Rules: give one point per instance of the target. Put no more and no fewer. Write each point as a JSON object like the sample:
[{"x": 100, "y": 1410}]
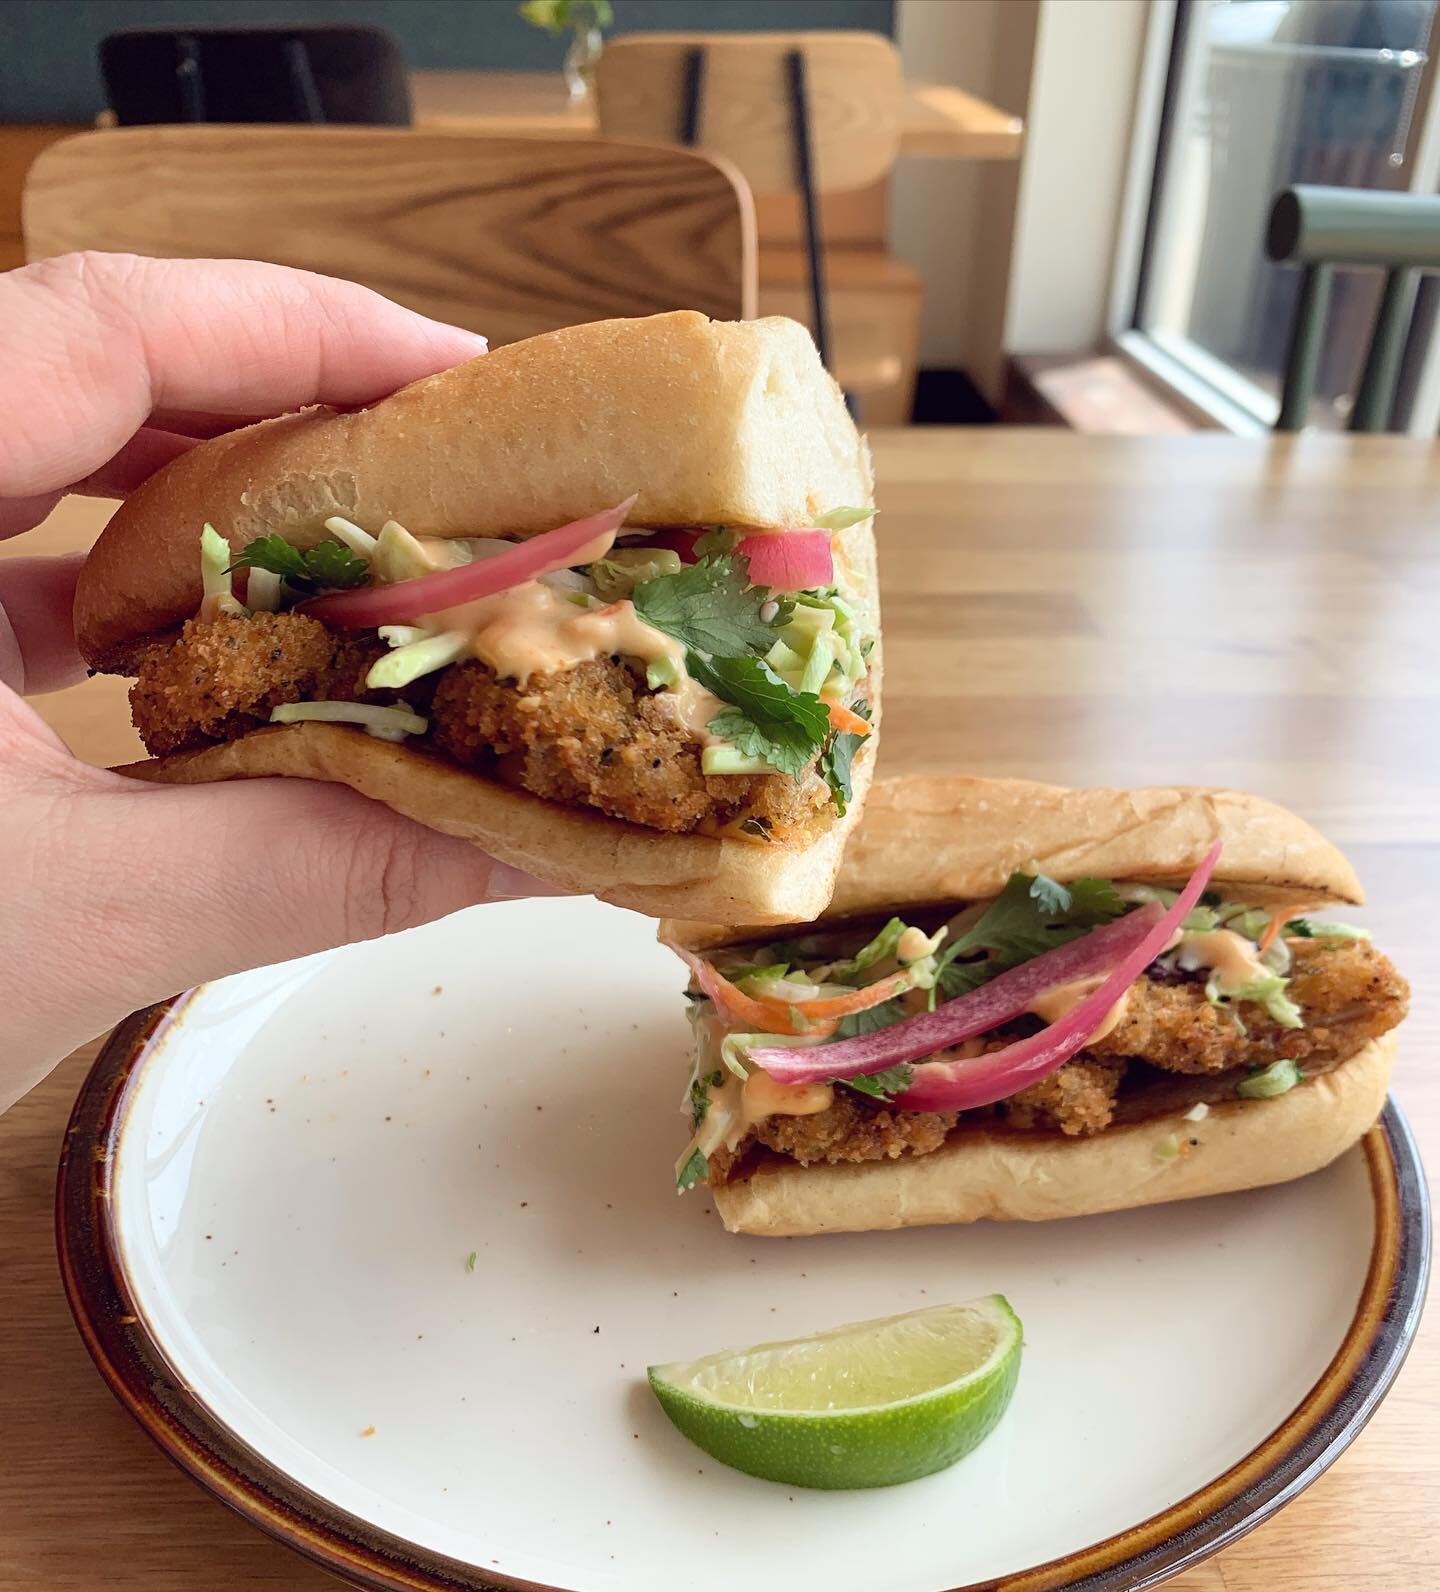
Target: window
[{"x": 1259, "y": 94}]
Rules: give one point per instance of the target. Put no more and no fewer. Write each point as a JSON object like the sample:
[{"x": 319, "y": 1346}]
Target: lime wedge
[{"x": 867, "y": 1405}]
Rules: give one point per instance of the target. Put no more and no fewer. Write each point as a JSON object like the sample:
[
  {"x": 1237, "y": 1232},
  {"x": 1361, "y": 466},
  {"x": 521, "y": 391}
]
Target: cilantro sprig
[
  {"x": 695, "y": 1169},
  {"x": 709, "y": 607},
  {"x": 727, "y": 626},
  {"x": 870, "y": 1021},
  {"x": 884, "y": 1085},
  {"x": 837, "y": 761},
  {"x": 1031, "y": 915},
  {"x": 768, "y": 718},
  {"x": 328, "y": 565}
]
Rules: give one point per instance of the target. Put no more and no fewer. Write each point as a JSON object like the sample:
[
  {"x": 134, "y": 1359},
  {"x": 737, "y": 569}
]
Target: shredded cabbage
[
  {"x": 625, "y": 568},
  {"x": 385, "y": 723},
  {"x": 1267, "y": 990},
  {"x": 361, "y": 543},
  {"x": 1280, "y": 1077},
  {"x": 262, "y": 590},
  {"x": 219, "y": 598},
  {"x": 409, "y": 662}
]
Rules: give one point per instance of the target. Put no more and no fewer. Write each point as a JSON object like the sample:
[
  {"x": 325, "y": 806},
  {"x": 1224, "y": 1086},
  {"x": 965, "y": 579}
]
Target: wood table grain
[{"x": 1084, "y": 609}]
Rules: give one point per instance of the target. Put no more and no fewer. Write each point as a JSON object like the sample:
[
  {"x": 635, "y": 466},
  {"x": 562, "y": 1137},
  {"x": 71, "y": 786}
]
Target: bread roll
[
  {"x": 1035, "y": 1177},
  {"x": 948, "y": 839},
  {"x": 711, "y": 422},
  {"x": 945, "y": 840}
]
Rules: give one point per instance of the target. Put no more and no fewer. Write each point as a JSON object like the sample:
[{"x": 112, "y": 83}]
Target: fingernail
[{"x": 510, "y": 884}]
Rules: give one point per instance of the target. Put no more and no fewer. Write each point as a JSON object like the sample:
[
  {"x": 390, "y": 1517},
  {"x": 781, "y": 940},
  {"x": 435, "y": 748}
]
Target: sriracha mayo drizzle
[
  {"x": 1230, "y": 956},
  {"x": 1056, "y": 1003},
  {"x": 534, "y": 629}
]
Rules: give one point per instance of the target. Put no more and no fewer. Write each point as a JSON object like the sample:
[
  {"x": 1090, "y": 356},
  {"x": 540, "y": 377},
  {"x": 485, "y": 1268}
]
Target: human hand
[{"x": 115, "y": 893}]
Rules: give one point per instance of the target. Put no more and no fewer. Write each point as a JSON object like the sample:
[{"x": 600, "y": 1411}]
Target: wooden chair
[
  {"x": 505, "y": 236},
  {"x": 733, "y": 95},
  {"x": 1321, "y": 228},
  {"x": 335, "y": 75}
]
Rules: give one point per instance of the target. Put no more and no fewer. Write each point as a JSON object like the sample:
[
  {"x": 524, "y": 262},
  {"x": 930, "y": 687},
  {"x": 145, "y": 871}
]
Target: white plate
[{"x": 301, "y": 1160}]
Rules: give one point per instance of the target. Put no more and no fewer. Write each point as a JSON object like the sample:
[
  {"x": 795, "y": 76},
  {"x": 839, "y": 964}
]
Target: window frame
[{"x": 1203, "y": 385}]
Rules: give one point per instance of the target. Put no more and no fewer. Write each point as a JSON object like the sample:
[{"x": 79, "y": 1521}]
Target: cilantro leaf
[
  {"x": 694, "y": 1170},
  {"x": 1052, "y": 897},
  {"x": 1030, "y": 916},
  {"x": 1094, "y": 901},
  {"x": 784, "y": 726},
  {"x": 959, "y": 978},
  {"x": 882, "y": 1085},
  {"x": 709, "y": 607},
  {"x": 886, "y": 1014},
  {"x": 716, "y": 540},
  {"x": 700, "y": 1088},
  {"x": 327, "y": 564},
  {"x": 838, "y": 759}
]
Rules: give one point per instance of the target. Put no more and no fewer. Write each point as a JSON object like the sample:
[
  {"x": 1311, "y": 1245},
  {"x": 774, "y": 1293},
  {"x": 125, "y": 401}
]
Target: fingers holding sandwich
[
  {"x": 138, "y": 891},
  {"x": 103, "y": 341}
]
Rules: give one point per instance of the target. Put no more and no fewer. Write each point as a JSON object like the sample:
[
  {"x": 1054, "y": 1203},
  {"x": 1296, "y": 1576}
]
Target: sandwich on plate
[
  {"x": 1026, "y": 1002},
  {"x": 602, "y": 602}
]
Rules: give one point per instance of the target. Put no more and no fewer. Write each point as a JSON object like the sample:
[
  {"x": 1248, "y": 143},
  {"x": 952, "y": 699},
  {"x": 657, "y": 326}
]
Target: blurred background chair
[
  {"x": 505, "y": 236},
  {"x": 733, "y": 95},
  {"x": 345, "y": 75},
  {"x": 1321, "y": 228}
]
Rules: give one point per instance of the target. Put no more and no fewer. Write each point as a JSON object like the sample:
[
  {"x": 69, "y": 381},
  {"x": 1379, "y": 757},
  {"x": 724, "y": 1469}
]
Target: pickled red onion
[
  {"x": 1127, "y": 946},
  {"x": 789, "y": 560},
  {"x": 404, "y": 600}
]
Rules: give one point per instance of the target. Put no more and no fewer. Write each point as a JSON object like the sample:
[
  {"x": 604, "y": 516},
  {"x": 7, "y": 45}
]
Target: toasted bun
[
  {"x": 711, "y": 422},
  {"x": 1033, "y": 1177},
  {"x": 949, "y": 839}
]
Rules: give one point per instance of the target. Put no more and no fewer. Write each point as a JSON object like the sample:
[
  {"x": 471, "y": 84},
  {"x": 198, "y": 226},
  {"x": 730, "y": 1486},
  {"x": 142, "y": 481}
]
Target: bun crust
[
  {"x": 954, "y": 838},
  {"x": 711, "y": 422},
  {"x": 1032, "y": 1177}
]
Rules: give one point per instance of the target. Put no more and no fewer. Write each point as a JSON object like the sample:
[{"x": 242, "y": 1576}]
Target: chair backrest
[
  {"x": 853, "y": 85},
  {"x": 1321, "y": 228},
  {"x": 339, "y": 75},
  {"x": 505, "y": 236}
]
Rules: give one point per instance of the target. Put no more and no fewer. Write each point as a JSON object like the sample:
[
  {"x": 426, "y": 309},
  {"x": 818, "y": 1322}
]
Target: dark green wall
[{"x": 48, "y": 70}]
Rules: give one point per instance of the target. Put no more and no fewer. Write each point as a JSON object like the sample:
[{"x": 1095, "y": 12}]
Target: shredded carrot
[
  {"x": 844, "y": 720},
  {"x": 769, "y": 1016},
  {"x": 1272, "y": 928},
  {"x": 859, "y": 1000}
]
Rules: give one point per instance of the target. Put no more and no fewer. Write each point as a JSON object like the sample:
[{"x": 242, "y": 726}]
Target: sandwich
[
  {"x": 1028, "y": 1002},
  {"x": 602, "y": 602}
]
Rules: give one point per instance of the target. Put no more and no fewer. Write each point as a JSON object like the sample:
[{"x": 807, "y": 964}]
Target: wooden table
[
  {"x": 1086, "y": 609},
  {"x": 936, "y": 119}
]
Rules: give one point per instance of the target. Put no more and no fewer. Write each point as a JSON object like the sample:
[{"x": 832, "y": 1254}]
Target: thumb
[{"x": 143, "y": 890}]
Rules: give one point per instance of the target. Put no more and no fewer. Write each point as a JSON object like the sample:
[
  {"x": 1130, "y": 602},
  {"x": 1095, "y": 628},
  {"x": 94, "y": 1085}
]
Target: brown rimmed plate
[{"x": 377, "y": 1245}]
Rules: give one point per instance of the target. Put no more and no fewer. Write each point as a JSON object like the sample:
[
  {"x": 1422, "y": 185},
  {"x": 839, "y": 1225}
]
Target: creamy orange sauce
[
  {"x": 761, "y": 1097},
  {"x": 1233, "y": 959},
  {"x": 693, "y": 707},
  {"x": 912, "y": 945},
  {"x": 1059, "y": 1002},
  {"x": 534, "y": 629}
]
